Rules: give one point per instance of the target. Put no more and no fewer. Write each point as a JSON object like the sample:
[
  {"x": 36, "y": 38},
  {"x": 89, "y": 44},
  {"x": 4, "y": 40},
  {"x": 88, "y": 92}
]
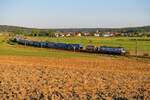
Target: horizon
[
  {"x": 56, "y": 14},
  {"x": 77, "y": 28}
]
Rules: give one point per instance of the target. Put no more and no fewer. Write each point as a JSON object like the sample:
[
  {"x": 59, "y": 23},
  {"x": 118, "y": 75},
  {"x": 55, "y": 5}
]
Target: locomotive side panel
[{"x": 112, "y": 50}]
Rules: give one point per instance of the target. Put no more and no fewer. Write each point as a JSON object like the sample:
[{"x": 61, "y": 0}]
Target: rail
[{"x": 95, "y": 52}]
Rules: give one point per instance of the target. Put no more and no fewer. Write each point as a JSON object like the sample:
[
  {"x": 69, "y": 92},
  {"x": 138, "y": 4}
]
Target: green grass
[
  {"x": 21, "y": 50},
  {"x": 125, "y": 42}
]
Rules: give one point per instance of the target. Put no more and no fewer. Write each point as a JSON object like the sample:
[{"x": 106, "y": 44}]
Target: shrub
[
  {"x": 127, "y": 53},
  {"x": 10, "y": 42},
  {"x": 145, "y": 54}
]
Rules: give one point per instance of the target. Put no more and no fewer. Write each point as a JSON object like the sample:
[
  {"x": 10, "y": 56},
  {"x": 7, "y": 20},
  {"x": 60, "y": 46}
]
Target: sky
[{"x": 75, "y": 13}]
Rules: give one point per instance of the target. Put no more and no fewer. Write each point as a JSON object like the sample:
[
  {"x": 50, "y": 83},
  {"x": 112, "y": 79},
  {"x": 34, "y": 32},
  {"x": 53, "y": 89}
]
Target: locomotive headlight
[{"x": 123, "y": 50}]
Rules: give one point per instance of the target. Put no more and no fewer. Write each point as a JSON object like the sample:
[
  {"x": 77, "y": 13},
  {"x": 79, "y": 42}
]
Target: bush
[
  {"x": 145, "y": 54},
  {"x": 127, "y": 53},
  {"x": 10, "y": 42}
]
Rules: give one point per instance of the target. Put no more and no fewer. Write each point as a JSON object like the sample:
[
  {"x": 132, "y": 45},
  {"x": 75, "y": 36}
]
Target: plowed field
[{"x": 41, "y": 78}]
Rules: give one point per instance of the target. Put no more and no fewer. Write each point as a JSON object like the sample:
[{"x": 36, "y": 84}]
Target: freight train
[{"x": 74, "y": 47}]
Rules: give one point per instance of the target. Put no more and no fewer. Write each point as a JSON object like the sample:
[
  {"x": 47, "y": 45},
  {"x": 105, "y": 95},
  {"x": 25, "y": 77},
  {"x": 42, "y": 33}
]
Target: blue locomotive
[{"x": 112, "y": 50}]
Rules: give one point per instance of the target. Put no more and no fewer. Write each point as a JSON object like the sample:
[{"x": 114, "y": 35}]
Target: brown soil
[
  {"x": 140, "y": 53},
  {"x": 32, "y": 78}
]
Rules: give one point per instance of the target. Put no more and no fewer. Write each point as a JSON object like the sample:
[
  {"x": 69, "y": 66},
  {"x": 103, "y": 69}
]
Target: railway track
[
  {"x": 138, "y": 56},
  {"x": 129, "y": 56},
  {"x": 94, "y": 52}
]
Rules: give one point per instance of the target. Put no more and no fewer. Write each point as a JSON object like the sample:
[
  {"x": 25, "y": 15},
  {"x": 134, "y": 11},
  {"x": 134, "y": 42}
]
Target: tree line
[
  {"x": 13, "y": 30},
  {"x": 33, "y": 32}
]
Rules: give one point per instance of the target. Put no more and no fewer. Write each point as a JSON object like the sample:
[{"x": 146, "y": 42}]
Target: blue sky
[{"x": 75, "y": 13}]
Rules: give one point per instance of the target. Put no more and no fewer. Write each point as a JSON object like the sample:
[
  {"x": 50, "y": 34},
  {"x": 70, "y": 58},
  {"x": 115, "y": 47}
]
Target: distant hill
[
  {"x": 122, "y": 30},
  {"x": 6, "y": 28}
]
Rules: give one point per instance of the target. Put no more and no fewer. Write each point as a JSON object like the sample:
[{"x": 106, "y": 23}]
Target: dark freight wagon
[{"x": 91, "y": 48}]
